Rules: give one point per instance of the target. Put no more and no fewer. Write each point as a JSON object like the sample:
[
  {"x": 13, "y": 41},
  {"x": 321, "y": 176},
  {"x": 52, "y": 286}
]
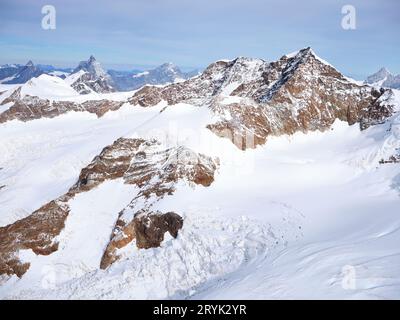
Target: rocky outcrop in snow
[
  {"x": 35, "y": 232},
  {"x": 27, "y": 107},
  {"x": 146, "y": 164},
  {"x": 89, "y": 76},
  {"x": 156, "y": 173}
]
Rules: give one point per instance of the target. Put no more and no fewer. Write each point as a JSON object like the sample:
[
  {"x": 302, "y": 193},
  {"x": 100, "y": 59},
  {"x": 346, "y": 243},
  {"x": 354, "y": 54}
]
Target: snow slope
[
  {"x": 48, "y": 87},
  {"x": 304, "y": 216}
]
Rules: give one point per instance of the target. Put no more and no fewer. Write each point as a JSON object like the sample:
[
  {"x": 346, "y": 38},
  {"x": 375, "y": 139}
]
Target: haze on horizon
[{"x": 192, "y": 34}]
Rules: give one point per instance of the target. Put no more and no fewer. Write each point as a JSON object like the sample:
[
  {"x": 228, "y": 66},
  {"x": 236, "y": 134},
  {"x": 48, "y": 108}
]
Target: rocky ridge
[
  {"x": 27, "y": 107},
  {"x": 255, "y": 99}
]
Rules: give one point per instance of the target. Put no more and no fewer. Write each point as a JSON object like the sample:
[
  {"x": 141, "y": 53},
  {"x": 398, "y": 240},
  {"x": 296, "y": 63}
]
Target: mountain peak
[
  {"x": 381, "y": 75},
  {"x": 168, "y": 66},
  {"x": 95, "y": 78},
  {"x": 92, "y": 66},
  {"x": 306, "y": 50},
  {"x": 29, "y": 64},
  {"x": 168, "y": 69},
  {"x": 384, "y": 71},
  {"x": 301, "y": 54}
]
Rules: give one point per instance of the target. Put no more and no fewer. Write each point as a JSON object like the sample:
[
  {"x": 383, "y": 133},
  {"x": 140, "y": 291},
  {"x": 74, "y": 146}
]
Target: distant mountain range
[
  {"x": 384, "y": 78},
  {"x": 166, "y": 73},
  {"x": 90, "y": 76}
]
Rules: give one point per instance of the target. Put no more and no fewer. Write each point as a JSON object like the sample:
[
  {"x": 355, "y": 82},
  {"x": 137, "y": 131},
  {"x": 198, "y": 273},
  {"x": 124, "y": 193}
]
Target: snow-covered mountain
[
  {"x": 384, "y": 78},
  {"x": 18, "y": 74},
  {"x": 164, "y": 74},
  {"x": 7, "y": 71},
  {"x": 254, "y": 179},
  {"x": 89, "y": 76},
  {"x": 22, "y": 73}
]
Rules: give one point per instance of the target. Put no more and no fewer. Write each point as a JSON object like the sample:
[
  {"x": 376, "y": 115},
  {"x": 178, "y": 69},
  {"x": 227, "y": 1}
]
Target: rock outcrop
[
  {"x": 89, "y": 76},
  {"x": 146, "y": 164},
  {"x": 26, "y": 108},
  {"x": 156, "y": 173},
  {"x": 35, "y": 232}
]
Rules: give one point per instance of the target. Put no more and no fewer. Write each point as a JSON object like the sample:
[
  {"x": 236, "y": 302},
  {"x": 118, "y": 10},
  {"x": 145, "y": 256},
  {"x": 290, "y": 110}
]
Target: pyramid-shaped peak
[
  {"x": 380, "y": 75},
  {"x": 304, "y": 55},
  {"x": 307, "y": 51},
  {"x": 384, "y": 71},
  {"x": 92, "y": 66},
  {"x": 29, "y": 64}
]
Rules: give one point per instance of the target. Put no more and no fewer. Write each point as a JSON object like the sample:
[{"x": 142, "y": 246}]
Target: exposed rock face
[
  {"x": 35, "y": 232},
  {"x": 296, "y": 93},
  {"x": 392, "y": 159},
  {"x": 147, "y": 228},
  {"x": 200, "y": 90},
  {"x": 88, "y": 83},
  {"x": 91, "y": 78},
  {"x": 148, "y": 165},
  {"x": 150, "y": 228},
  {"x": 29, "y": 107},
  {"x": 156, "y": 173}
]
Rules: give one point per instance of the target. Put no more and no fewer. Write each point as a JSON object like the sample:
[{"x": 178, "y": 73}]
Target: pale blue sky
[{"x": 191, "y": 33}]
